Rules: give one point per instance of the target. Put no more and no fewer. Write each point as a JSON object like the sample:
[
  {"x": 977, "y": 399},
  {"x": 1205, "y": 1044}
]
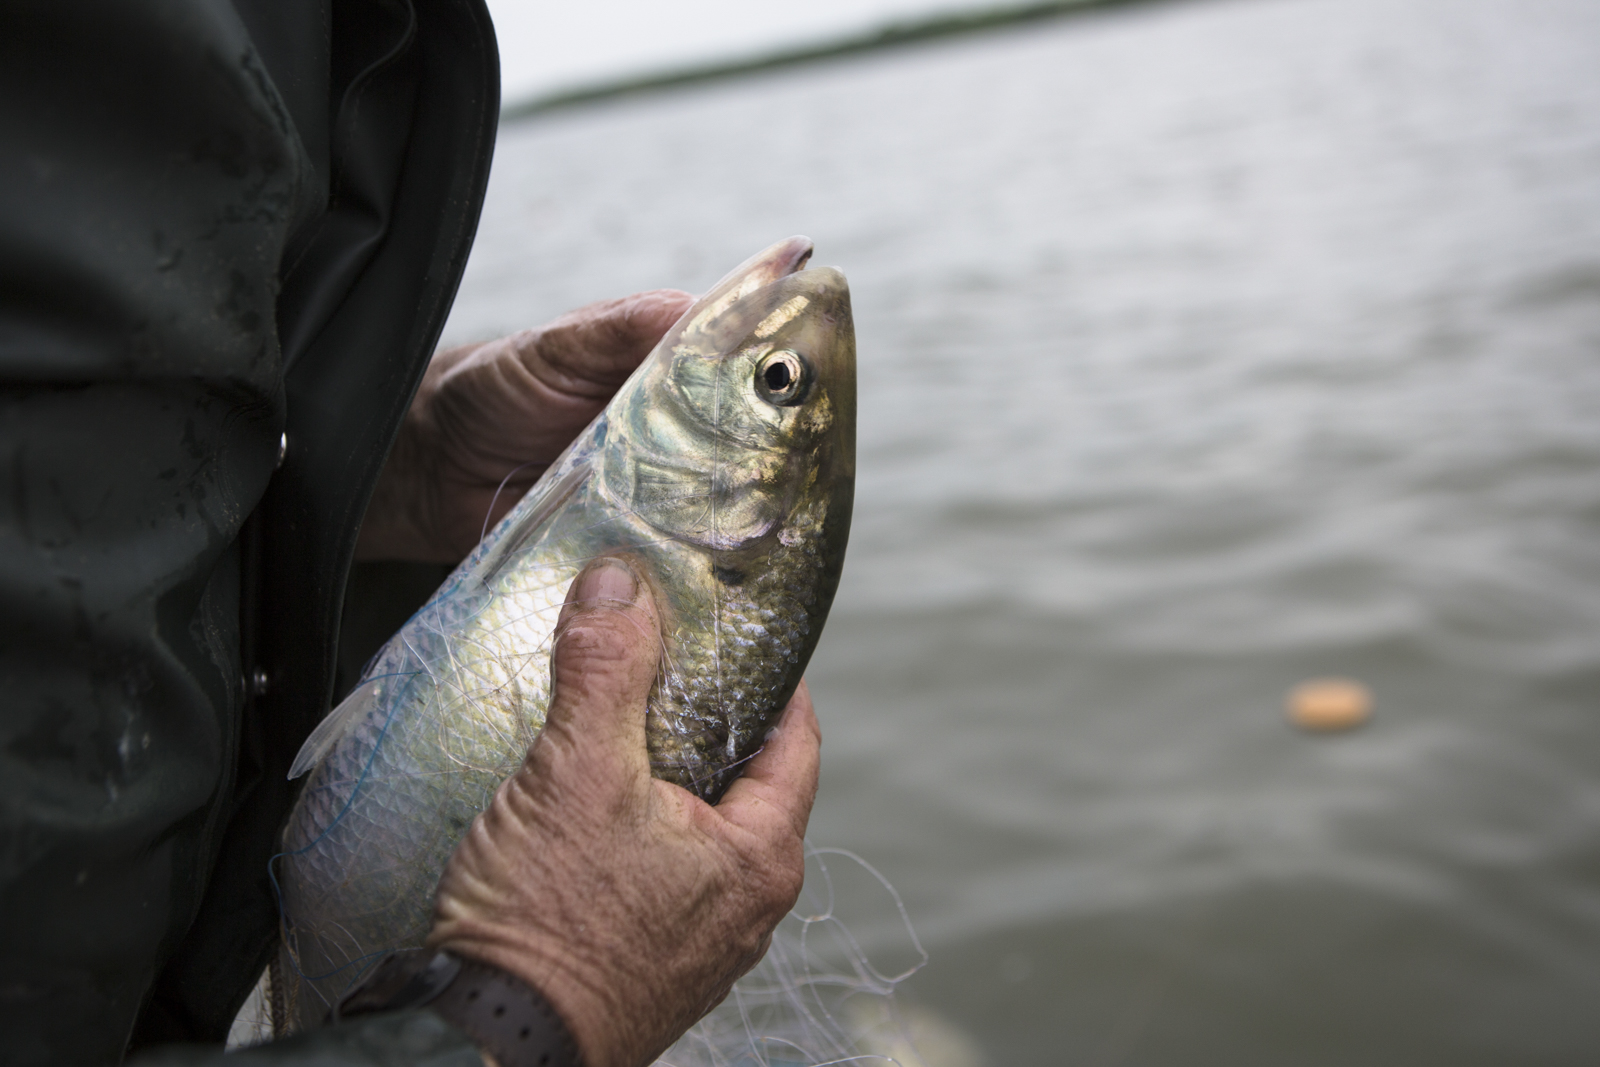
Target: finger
[
  {"x": 592, "y": 350},
  {"x": 606, "y": 651},
  {"x": 517, "y": 402},
  {"x": 507, "y": 408},
  {"x": 778, "y": 787}
]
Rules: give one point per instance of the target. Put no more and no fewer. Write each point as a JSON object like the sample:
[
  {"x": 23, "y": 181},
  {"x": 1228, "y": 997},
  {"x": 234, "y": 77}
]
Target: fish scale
[{"x": 726, "y": 483}]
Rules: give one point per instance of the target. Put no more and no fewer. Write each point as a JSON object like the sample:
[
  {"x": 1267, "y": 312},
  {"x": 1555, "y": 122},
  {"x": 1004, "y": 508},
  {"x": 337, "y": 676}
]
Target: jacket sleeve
[
  {"x": 403, "y": 1039},
  {"x": 149, "y": 179}
]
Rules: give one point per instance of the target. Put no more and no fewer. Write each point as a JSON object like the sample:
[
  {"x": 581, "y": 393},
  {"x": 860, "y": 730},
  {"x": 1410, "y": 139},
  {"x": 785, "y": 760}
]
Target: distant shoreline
[{"x": 893, "y": 35}]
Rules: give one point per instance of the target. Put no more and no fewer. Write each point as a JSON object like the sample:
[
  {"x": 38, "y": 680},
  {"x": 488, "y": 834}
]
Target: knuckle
[
  {"x": 594, "y": 631},
  {"x": 599, "y": 643},
  {"x": 790, "y": 883},
  {"x": 780, "y": 880}
]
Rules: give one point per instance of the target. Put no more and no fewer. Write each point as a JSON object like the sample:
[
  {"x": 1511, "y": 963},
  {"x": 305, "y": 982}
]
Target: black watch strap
[{"x": 503, "y": 1015}]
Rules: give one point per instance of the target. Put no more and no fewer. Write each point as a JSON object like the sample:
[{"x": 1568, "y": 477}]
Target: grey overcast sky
[{"x": 546, "y": 45}]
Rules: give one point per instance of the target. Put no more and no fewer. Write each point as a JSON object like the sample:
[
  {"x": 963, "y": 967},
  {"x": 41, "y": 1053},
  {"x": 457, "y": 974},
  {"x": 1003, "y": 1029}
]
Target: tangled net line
[{"x": 815, "y": 999}]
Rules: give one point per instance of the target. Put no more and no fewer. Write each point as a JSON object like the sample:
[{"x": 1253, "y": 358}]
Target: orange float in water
[{"x": 1327, "y": 705}]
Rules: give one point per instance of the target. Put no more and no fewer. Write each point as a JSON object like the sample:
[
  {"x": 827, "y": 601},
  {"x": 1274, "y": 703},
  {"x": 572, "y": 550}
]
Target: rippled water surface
[{"x": 1205, "y": 347}]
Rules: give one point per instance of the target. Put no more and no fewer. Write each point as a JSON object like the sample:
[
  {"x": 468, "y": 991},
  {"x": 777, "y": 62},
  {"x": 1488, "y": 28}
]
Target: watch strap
[{"x": 503, "y": 1015}]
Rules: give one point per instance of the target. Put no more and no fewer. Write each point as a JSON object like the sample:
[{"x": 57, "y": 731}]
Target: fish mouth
[
  {"x": 759, "y": 271},
  {"x": 765, "y": 267}
]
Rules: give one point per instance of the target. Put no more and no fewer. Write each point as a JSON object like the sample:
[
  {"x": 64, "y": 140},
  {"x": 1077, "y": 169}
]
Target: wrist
[
  {"x": 510, "y": 1021},
  {"x": 566, "y": 982}
]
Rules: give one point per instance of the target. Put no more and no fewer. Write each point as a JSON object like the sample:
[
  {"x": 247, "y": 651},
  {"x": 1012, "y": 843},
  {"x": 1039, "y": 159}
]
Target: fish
[{"x": 723, "y": 470}]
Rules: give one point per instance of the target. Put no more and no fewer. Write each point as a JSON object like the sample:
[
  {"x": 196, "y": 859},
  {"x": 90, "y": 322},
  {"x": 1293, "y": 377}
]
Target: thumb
[{"x": 603, "y": 661}]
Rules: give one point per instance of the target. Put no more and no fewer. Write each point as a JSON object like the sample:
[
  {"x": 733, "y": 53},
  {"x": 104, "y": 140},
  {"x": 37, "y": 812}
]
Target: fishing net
[
  {"x": 824, "y": 993},
  {"x": 818, "y": 997}
]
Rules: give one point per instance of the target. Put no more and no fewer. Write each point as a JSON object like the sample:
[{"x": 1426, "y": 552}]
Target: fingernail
[{"x": 606, "y": 579}]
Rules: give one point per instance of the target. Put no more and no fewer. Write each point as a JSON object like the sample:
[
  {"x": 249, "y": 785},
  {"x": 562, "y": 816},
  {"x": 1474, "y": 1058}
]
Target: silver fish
[{"x": 724, "y": 470}]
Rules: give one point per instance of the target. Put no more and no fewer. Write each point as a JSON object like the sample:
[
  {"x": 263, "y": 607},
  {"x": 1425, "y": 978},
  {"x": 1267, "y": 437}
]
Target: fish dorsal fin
[{"x": 335, "y": 725}]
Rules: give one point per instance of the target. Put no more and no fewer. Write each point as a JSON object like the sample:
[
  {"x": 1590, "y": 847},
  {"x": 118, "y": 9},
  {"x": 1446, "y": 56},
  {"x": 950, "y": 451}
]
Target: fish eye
[{"x": 782, "y": 377}]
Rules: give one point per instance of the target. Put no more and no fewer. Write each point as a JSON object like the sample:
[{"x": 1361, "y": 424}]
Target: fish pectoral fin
[
  {"x": 550, "y": 500},
  {"x": 334, "y": 726}
]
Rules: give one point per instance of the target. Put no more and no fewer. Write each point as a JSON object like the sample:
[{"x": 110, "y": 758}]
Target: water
[{"x": 1205, "y": 347}]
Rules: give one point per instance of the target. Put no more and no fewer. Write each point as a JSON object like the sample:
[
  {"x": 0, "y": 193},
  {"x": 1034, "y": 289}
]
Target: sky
[{"x": 549, "y": 45}]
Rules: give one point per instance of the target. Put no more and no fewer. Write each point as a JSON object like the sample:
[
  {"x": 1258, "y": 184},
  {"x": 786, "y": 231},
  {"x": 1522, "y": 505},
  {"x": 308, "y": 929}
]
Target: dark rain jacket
[{"x": 220, "y": 222}]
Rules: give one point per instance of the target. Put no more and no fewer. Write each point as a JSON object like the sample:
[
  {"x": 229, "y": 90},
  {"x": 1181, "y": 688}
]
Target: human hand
[
  {"x": 488, "y": 419},
  {"x": 630, "y": 903}
]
